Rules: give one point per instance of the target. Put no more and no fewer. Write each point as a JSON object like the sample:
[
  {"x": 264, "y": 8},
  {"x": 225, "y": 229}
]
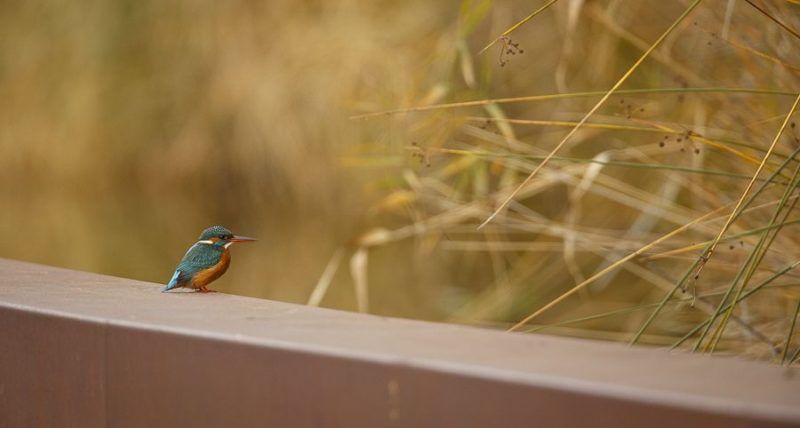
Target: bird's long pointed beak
[{"x": 242, "y": 239}]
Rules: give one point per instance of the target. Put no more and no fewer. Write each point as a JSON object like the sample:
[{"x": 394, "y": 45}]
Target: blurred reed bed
[
  {"x": 633, "y": 166},
  {"x": 127, "y": 127}
]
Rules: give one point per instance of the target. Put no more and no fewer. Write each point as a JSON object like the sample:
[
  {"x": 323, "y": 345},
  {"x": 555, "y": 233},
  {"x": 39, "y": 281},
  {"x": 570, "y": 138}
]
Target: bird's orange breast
[{"x": 205, "y": 277}]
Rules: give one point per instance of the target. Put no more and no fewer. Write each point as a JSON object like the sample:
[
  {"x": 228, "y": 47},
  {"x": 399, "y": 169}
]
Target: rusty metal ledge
[{"x": 81, "y": 349}]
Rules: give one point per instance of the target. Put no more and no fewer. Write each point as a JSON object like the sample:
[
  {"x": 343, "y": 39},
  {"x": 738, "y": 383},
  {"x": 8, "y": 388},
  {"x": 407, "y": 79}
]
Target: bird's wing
[{"x": 198, "y": 258}]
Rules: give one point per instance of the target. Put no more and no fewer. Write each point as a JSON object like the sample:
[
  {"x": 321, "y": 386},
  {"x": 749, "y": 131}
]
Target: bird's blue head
[{"x": 218, "y": 235}]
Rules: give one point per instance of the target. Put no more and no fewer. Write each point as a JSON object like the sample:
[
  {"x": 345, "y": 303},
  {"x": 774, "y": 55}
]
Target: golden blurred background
[{"x": 128, "y": 127}]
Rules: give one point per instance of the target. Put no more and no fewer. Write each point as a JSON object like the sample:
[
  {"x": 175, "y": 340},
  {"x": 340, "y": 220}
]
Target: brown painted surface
[
  {"x": 52, "y": 371},
  {"x": 79, "y": 349}
]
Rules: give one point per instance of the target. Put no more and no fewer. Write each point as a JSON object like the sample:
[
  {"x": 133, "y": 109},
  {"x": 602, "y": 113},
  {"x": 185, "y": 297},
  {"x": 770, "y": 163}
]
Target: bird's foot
[{"x": 205, "y": 290}]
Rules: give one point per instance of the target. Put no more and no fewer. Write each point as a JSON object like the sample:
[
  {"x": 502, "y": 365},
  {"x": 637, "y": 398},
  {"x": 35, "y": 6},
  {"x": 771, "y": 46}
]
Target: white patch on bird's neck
[
  {"x": 205, "y": 241},
  {"x": 228, "y": 244}
]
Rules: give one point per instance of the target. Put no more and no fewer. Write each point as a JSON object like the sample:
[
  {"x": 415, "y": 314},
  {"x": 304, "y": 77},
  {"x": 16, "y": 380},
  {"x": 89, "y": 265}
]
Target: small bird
[{"x": 206, "y": 260}]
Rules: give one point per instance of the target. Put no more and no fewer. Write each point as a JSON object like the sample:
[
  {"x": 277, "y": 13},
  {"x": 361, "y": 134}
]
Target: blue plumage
[
  {"x": 206, "y": 260},
  {"x": 173, "y": 282},
  {"x": 201, "y": 256}
]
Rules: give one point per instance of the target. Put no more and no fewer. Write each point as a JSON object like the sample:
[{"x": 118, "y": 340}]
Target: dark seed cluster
[
  {"x": 508, "y": 47},
  {"x": 421, "y": 154},
  {"x": 684, "y": 139}
]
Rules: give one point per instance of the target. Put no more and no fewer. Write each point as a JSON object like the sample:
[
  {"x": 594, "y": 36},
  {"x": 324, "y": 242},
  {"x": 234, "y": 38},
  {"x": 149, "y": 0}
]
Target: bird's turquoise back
[{"x": 200, "y": 256}]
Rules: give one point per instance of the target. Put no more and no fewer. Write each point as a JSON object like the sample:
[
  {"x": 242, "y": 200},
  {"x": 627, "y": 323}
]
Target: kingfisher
[{"x": 206, "y": 260}]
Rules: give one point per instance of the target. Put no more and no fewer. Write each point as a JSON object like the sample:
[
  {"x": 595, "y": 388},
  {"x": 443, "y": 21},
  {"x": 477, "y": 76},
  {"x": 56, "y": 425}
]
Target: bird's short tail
[{"x": 173, "y": 282}]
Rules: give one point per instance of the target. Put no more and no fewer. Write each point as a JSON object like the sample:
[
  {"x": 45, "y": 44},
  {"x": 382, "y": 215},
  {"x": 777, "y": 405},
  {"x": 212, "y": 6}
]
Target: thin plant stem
[
  {"x": 791, "y": 332},
  {"x": 586, "y": 117},
  {"x": 612, "y": 267},
  {"x": 549, "y": 97},
  {"x": 795, "y": 356},
  {"x": 776, "y": 20},
  {"x": 747, "y": 294},
  {"x": 687, "y": 274},
  {"x": 518, "y": 24},
  {"x": 708, "y": 253},
  {"x": 760, "y": 250}
]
